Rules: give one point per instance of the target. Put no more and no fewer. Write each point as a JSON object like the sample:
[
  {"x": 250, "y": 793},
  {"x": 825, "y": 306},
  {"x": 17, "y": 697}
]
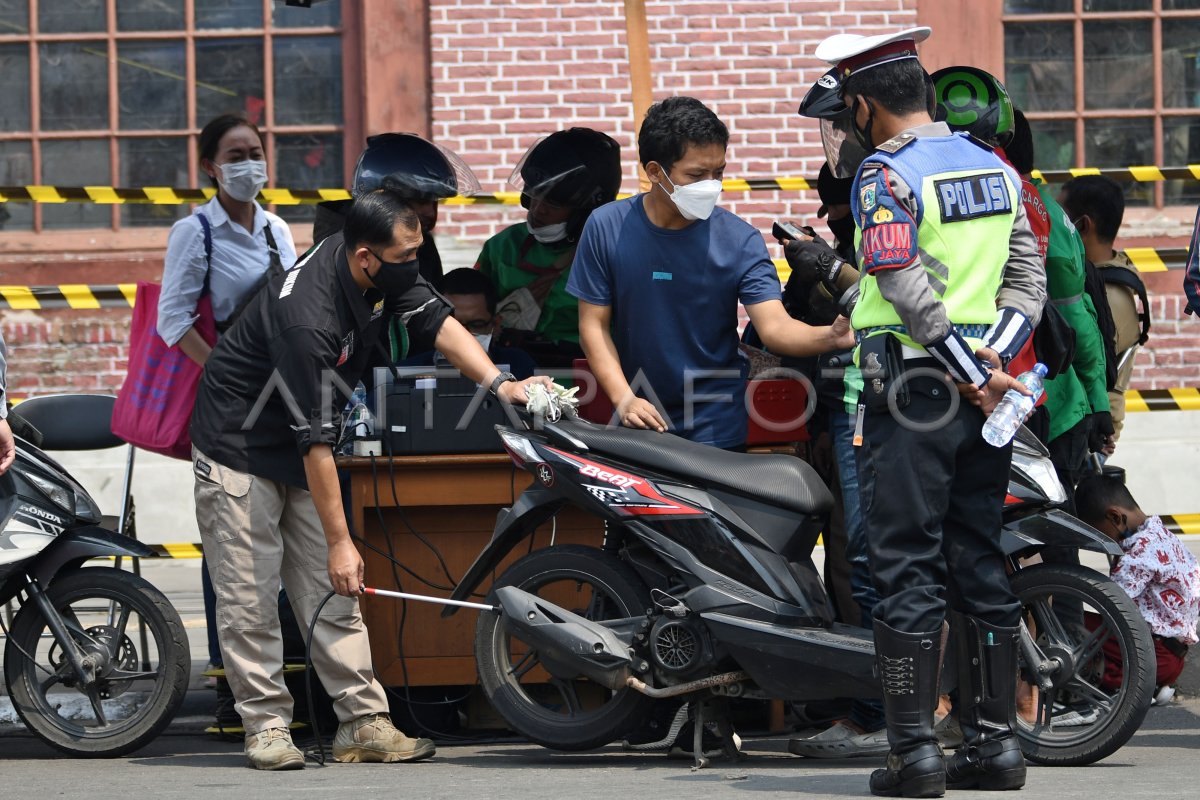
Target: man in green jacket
[{"x": 1077, "y": 400}]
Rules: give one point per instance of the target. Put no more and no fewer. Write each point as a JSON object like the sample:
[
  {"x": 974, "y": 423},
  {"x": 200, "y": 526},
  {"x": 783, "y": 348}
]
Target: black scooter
[
  {"x": 704, "y": 589},
  {"x": 96, "y": 660}
]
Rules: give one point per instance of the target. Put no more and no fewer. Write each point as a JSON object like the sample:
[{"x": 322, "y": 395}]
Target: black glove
[
  {"x": 813, "y": 261},
  {"x": 1100, "y": 431}
]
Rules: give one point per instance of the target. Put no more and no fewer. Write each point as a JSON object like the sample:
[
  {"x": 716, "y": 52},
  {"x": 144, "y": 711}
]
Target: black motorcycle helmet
[
  {"x": 824, "y": 102},
  {"x": 972, "y": 100},
  {"x": 413, "y": 167},
  {"x": 579, "y": 168}
]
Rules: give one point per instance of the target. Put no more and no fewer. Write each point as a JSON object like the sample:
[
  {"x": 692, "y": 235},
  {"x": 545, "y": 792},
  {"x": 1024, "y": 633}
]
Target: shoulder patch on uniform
[
  {"x": 897, "y": 142},
  {"x": 889, "y": 233},
  {"x": 867, "y": 196},
  {"x": 973, "y": 196}
]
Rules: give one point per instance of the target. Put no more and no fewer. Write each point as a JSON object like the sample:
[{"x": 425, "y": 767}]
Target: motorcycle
[
  {"x": 96, "y": 660},
  {"x": 704, "y": 589}
]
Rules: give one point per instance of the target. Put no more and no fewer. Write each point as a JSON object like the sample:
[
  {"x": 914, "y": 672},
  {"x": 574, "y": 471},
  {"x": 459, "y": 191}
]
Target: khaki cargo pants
[{"x": 258, "y": 533}]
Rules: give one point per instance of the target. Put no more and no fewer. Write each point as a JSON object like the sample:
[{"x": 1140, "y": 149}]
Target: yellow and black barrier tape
[
  {"x": 165, "y": 195},
  {"x": 1185, "y": 398},
  {"x": 81, "y": 296},
  {"x": 1182, "y": 524},
  {"x": 177, "y": 550},
  {"x": 78, "y": 296}
]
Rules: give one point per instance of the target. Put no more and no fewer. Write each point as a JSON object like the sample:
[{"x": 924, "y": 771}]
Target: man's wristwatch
[{"x": 503, "y": 377}]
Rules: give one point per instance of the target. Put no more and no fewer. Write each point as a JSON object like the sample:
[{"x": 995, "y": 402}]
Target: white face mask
[
  {"x": 242, "y": 180},
  {"x": 484, "y": 339},
  {"x": 549, "y": 234},
  {"x": 695, "y": 200}
]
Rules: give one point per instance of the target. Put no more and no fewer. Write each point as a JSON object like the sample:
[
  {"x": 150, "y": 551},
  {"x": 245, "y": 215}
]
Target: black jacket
[{"x": 270, "y": 389}]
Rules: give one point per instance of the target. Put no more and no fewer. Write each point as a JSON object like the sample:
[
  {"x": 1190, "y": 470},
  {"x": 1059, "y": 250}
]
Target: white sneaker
[
  {"x": 1164, "y": 696},
  {"x": 1066, "y": 717}
]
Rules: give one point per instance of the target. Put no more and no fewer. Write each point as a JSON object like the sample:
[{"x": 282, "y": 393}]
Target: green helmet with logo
[{"x": 972, "y": 100}]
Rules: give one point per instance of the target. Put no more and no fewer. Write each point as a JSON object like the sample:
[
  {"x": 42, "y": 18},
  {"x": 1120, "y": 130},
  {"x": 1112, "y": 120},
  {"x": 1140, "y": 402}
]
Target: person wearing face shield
[
  {"x": 659, "y": 277},
  {"x": 268, "y": 500},
  {"x": 416, "y": 169},
  {"x": 562, "y": 179},
  {"x": 951, "y": 287}
]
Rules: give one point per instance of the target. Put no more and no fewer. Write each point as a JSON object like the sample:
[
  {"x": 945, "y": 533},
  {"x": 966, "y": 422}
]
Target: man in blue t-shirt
[{"x": 659, "y": 277}]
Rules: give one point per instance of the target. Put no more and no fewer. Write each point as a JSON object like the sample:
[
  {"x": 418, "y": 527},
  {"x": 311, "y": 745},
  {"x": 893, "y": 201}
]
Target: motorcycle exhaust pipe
[
  {"x": 568, "y": 645},
  {"x": 723, "y": 679}
]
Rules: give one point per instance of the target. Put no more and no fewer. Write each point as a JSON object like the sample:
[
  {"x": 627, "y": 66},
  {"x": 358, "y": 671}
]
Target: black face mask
[
  {"x": 863, "y": 134},
  {"x": 843, "y": 230},
  {"x": 395, "y": 278}
]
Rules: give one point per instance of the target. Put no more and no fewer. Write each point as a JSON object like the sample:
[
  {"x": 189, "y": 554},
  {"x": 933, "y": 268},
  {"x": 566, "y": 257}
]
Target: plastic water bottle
[
  {"x": 1004, "y": 421},
  {"x": 359, "y": 424}
]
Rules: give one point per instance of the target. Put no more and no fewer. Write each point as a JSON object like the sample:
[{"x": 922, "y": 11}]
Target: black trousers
[{"x": 933, "y": 491}]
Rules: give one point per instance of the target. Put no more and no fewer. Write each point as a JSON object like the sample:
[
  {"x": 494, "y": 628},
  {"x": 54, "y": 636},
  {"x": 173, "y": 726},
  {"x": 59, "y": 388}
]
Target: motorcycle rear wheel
[
  {"x": 560, "y": 714},
  {"x": 110, "y": 614},
  {"x": 1078, "y": 722}
]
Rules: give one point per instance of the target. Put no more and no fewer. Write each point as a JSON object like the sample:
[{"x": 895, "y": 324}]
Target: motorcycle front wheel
[
  {"x": 1077, "y": 624},
  {"x": 134, "y": 637},
  {"x": 559, "y": 713}
]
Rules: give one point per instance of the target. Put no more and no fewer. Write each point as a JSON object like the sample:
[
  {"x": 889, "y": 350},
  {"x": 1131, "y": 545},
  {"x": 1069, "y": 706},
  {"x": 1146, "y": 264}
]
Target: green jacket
[
  {"x": 501, "y": 260},
  {"x": 1081, "y": 390}
]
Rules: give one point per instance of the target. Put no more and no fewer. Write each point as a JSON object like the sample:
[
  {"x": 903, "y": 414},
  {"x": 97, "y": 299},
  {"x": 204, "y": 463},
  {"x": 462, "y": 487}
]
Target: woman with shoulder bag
[
  {"x": 243, "y": 242},
  {"x": 225, "y": 250}
]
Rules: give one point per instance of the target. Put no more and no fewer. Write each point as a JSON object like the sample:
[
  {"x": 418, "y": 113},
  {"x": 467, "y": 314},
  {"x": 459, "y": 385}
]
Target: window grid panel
[
  {"x": 1172, "y": 107},
  {"x": 94, "y": 126}
]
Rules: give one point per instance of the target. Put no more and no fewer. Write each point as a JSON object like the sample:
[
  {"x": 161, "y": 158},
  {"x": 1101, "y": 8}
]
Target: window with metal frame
[
  {"x": 1109, "y": 84},
  {"x": 114, "y": 93}
]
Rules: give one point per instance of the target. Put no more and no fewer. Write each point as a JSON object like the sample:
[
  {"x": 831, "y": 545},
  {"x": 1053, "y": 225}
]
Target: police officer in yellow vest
[{"x": 951, "y": 287}]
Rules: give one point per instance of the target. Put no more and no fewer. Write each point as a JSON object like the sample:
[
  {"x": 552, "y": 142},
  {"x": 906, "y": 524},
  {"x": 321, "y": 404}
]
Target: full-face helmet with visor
[
  {"x": 824, "y": 102},
  {"x": 412, "y": 167},
  {"x": 577, "y": 169}
]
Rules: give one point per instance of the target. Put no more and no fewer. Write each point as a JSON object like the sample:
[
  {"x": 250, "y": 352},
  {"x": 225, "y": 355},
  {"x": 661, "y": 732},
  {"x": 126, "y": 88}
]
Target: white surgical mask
[
  {"x": 549, "y": 234},
  {"x": 695, "y": 200},
  {"x": 484, "y": 339},
  {"x": 242, "y": 180}
]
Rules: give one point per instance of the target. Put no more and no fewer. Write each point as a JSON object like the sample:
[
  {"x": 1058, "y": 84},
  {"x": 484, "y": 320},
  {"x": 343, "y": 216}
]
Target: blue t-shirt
[{"x": 674, "y": 296}]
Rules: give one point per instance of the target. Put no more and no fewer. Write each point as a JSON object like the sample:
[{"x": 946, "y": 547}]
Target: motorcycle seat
[
  {"x": 779, "y": 480},
  {"x": 72, "y": 421}
]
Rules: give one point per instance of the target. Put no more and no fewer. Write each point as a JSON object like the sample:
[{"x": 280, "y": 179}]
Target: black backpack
[
  {"x": 1054, "y": 341},
  {"x": 1093, "y": 286},
  {"x": 1120, "y": 276}
]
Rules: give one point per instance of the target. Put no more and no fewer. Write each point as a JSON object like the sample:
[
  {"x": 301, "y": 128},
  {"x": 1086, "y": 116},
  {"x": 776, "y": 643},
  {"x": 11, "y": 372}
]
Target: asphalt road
[{"x": 1159, "y": 762}]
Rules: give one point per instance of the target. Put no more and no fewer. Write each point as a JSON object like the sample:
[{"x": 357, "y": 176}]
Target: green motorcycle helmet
[{"x": 974, "y": 101}]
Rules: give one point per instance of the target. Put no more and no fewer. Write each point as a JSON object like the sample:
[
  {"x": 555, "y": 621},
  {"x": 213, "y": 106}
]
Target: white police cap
[{"x": 852, "y": 52}]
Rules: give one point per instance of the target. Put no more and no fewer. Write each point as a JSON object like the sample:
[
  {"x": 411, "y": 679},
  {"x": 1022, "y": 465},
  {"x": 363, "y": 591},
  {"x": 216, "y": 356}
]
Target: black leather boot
[
  {"x": 908, "y": 670},
  {"x": 990, "y": 758}
]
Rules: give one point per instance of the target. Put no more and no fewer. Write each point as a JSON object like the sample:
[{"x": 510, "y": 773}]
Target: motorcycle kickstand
[{"x": 712, "y": 709}]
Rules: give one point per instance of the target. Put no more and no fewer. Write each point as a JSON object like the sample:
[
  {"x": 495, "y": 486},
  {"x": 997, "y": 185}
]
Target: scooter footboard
[{"x": 800, "y": 663}]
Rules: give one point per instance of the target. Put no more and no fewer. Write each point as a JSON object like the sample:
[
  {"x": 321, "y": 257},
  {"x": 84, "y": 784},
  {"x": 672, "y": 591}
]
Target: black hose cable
[
  {"x": 404, "y": 518},
  {"x": 308, "y": 672},
  {"x": 395, "y": 562}
]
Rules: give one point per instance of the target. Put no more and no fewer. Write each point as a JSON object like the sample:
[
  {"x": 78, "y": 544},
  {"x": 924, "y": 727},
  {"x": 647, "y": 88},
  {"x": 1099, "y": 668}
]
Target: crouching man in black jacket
[{"x": 268, "y": 504}]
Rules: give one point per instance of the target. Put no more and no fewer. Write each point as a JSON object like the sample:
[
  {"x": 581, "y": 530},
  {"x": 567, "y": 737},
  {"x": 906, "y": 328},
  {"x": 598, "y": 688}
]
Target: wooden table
[{"x": 452, "y": 501}]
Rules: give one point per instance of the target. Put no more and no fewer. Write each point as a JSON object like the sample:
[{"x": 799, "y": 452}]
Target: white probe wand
[{"x": 427, "y": 599}]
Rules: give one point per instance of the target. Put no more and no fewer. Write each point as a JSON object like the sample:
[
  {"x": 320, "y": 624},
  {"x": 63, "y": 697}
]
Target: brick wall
[
  {"x": 66, "y": 351},
  {"x": 1171, "y": 358},
  {"x": 508, "y": 71}
]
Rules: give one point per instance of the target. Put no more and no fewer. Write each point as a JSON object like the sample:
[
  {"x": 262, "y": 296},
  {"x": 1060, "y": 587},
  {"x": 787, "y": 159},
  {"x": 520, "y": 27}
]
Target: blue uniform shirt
[{"x": 674, "y": 297}]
